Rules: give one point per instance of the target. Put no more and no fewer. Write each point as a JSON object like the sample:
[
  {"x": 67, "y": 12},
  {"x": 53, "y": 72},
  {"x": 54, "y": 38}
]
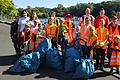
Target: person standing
[
  {"x": 14, "y": 34},
  {"x": 34, "y": 21},
  {"x": 103, "y": 16},
  {"x": 113, "y": 30},
  {"x": 115, "y": 58},
  {"x": 87, "y": 14},
  {"x": 21, "y": 26},
  {"x": 84, "y": 34},
  {"x": 51, "y": 32},
  {"x": 118, "y": 17},
  {"x": 101, "y": 46}
]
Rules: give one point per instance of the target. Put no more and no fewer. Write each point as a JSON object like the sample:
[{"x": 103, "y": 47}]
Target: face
[
  {"x": 25, "y": 14},
  {"x": 102, "y": 12},
  {"x": 40, "y": 26},
  {"x": 87, "y": 11},
  {"x": 102, "y": 22},
  {"x": 53, "y": 14},
  {"x": 34, "y": 14},
  {"x": 87, "y": 21},
  {"x": 114, "y": 21}
]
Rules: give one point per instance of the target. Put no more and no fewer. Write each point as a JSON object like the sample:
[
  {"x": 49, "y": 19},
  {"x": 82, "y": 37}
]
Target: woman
[
  {"x": 34, "y": 21},
  {"x": 21, "y": 26}
]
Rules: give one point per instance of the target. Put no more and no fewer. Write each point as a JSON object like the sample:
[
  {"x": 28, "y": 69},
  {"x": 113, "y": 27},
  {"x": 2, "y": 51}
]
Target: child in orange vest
[
  {"x": 91, "y": 42},
  {"x": 115, "y": 58},
  {"x": 101, "y": 47},
  {"x": 51, "y": 33},
  {"x": 113, "y": 30},
  {"x": 26, "y": 35}
]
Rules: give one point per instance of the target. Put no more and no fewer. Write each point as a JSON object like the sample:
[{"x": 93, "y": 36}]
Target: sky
[{"x": 51, "y": 3}]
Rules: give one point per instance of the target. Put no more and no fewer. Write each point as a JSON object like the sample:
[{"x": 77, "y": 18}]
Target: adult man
[
  {"x": 87, "y": 14},
  {"x": 101, "y": 15}
]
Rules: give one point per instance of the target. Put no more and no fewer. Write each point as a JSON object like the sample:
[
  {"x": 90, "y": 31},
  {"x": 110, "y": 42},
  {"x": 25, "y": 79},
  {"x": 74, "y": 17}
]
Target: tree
[{"x": 7, "y": 8}]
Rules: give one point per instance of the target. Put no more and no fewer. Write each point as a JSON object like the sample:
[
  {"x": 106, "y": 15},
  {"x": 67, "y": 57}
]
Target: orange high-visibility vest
[
  {"x": 112, "y": 34},
  {"x": 50, "y": 32},
  {"x": 38, "y": 38},
  {"x": 32, "y": 42},
  {"x": 115, "y": 58},
  {"x": 102, "y": 36},
  {"x": 93, "y": 38},
  {"x": 69, "y": 37},
  {"x": 70, "y": 27},
  {"x": 84, "y": 35}
]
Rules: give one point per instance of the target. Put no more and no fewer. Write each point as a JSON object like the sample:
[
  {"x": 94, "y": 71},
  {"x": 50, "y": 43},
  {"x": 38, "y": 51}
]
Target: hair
[
  {"x": 31, "y": 17},
  {"x": 23, "y": 12},
  {"x": 101, "y": 9},
  {"x": 52, "y": 12}
]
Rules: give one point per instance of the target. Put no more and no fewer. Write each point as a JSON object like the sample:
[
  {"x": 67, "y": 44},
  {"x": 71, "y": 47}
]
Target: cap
[{"x": 68, "y": 16}]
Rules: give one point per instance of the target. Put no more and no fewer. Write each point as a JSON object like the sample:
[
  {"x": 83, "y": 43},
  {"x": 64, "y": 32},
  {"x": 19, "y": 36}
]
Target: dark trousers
[
  {"x": 109, "y": 53},
  {"x": 85, "y": 51},
  {"x": 15, "y": 43},
  {"x": 100, "y": 56},
  {"x": 54, "y": 43}
]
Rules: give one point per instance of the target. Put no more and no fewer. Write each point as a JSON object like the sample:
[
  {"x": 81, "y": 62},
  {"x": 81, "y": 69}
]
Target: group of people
[{"x": 100, "y": 35}]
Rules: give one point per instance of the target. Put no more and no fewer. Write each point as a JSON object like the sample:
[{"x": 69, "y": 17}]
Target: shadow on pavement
[
  {"x": 8, "y": 60},
  {"x": 7, "y": 72},
  {"x": 100, "y": 74},
  {"x": 51, "y": 73}
]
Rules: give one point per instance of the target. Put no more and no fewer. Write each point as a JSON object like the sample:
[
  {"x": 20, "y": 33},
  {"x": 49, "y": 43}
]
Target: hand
[{"x": 116, "y": 47}]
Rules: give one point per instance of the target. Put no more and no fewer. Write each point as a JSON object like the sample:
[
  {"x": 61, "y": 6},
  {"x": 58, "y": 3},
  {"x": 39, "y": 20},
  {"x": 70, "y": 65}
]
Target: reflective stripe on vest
[
  {"x": 94, "y": 38},
  {"x": 84, "y": 35}
]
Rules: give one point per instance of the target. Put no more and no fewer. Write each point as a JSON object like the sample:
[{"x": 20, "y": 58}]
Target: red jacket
[{"x": 97, "y": 19}]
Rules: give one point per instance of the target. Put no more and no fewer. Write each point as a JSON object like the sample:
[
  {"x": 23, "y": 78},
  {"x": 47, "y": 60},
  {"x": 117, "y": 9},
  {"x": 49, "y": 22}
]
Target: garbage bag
[
  {"x": 43, "y": 48},
  {"x": 85, "y": 69},
  {"x": 71, "y": 56},
  {"x": 53, "y": 59},
  {"x": 29, "y": 62}
]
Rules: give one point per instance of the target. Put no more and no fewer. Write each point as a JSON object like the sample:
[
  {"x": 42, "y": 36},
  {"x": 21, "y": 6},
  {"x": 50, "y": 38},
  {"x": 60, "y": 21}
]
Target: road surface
[{"x": 8, "y": 58}]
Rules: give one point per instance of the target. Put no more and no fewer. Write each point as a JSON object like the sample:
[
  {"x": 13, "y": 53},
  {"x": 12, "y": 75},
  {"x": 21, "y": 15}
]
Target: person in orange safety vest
[
  {"x": 101, "y": 46},
  {"x": 113, "y": 30},
  {"x": 115, "y": 58},
  {"x": 51, "y": 32}
]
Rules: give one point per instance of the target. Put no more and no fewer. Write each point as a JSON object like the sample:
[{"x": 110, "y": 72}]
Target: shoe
[{"x": 111, "y": 71}]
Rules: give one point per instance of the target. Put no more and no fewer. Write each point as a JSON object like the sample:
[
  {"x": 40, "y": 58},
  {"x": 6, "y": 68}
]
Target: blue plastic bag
[
  {"x": 43, "y": 48},
  {"x": 29, "y": 62},
  {"x": 85, "y": 69},
  {"x": 53, "y": 59},
  {"x": 45, "y": 45},
  {"x": 71, "y": 56}
]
